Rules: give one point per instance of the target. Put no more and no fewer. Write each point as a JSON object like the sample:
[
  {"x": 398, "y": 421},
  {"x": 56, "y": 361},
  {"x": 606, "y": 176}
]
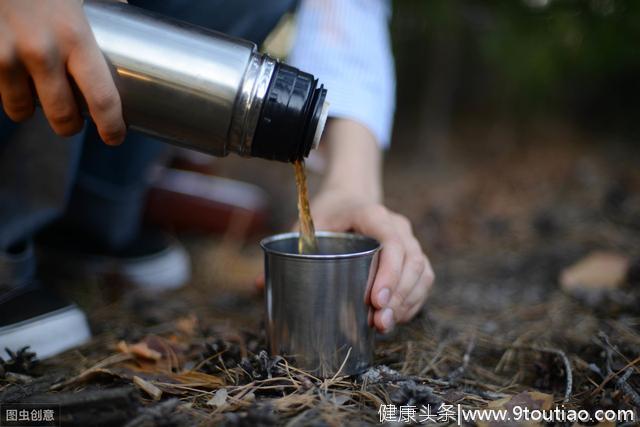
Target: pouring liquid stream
[{"x": 307, "y": 242}]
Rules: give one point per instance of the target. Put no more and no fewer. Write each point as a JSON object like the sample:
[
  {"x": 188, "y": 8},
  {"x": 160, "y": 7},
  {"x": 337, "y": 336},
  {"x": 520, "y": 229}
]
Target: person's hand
[
  {"x": 350, "y": 200},
  {"x": 44, "y": 45},
  {"x": 404, "y": 275}
]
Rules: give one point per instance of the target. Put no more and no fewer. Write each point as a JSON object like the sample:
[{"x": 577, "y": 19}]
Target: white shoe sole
[
  {"x": 49, "y": 334},
  {"x": 163, "y": 271},
  {"x": 168, "y": 270}
]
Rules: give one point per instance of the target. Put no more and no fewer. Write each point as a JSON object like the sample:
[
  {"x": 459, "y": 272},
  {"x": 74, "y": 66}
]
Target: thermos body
[{"x": 204, "y": 90}]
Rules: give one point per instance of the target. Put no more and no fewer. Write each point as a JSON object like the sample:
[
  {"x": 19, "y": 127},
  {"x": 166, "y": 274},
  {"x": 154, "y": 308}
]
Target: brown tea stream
[{"x": 307, "y": 242}]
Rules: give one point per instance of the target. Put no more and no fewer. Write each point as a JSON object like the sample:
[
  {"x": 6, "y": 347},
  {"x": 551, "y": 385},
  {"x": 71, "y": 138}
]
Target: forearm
[
  {"x": 350, "y": 199},
  {"x": 354, "y": 160}
]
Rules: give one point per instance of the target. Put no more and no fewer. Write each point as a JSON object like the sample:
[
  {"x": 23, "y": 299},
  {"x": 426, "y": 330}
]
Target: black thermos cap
[{"x": 289, "y": 117}]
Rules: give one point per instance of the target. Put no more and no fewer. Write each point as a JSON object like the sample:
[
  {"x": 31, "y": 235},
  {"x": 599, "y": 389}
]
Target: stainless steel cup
[{"x": 316, "y": 305}]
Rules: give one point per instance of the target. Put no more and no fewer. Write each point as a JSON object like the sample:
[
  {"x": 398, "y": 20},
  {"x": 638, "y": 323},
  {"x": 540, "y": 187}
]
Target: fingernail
[
  {"x": 115, "y": 141},
  {"x": 387, "y": 319},
  {"x": 383, "y": 297}
]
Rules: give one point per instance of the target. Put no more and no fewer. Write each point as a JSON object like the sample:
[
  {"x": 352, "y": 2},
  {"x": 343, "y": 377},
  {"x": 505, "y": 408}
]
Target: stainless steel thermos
[{"x": 205, "y": 90}]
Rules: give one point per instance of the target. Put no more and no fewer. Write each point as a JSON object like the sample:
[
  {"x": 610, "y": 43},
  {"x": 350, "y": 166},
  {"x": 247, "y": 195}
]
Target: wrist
[
  {"x": 353, "y": 161},
  {"x": 363, "y": 190}
]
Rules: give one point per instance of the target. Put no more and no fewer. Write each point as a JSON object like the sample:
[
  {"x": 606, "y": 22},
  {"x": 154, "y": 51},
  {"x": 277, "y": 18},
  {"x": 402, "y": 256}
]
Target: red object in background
[{"x": 187, "y": 201}]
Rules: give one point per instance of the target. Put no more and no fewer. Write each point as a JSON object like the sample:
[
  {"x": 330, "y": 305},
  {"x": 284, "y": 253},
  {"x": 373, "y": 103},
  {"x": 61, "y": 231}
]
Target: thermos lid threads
[{"x": 290, "y": 116}]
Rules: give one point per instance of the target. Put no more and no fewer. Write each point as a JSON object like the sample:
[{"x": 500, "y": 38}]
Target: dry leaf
[
  {"x": 532, "y": 400},
  {"x": 599, "y": 271},
  {"x": 198, "y": 379},
  {"x": 528, "y": 399},
  {"x": 140, "y": 349},
  {"x": 187, "y": 325},
  {"x": 86, "y": 376},
  {"x": 147, "y": 387}
]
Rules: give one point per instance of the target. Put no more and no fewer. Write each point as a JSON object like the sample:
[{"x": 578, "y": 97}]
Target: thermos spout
[{"x": 204, "y": 90}]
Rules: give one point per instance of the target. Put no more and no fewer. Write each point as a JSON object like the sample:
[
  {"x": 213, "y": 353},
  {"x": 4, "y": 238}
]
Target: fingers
[
  {"x": 411, "y": 272},
  {"x": 56, "y": 97},
  {"x": 404, "y": 274},
  {"x": 17, "y": 98},
  {"x": 389, "y": 273},
  {"x": 383, "y": 320},
  {"x": 48, "y": 45},
  {"x": 416, "y": 298},
  {"x": 413, "y": 267},
  {"x": 375, "y": 222},
  {"x": 90, "y": 71}
]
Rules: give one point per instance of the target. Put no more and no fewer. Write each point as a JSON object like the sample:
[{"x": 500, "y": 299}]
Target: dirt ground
[{"x": 501, "y": 209}]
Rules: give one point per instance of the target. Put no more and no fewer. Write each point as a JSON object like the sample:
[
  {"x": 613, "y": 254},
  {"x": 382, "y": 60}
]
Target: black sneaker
[
  {"x": 32, "y": 316},
  {"x": 17, "y": 265},
  {"x": 153, "y": 262},
  {"x": 35, "y": 317}
]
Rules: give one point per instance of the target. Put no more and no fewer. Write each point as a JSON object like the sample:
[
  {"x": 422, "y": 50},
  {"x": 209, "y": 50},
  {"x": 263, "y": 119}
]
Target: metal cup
[{"x": 317, "y": 308}]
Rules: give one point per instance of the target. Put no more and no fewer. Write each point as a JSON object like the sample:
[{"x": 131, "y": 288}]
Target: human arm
[
  {"x": 46, "y": 47},
  {"x": 345, "y": 43},
  {"x": 350, "y": 198}
]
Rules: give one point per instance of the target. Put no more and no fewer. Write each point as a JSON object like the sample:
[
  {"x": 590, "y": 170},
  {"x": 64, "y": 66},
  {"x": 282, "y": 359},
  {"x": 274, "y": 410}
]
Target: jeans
[{"x": 92, "y": 188}]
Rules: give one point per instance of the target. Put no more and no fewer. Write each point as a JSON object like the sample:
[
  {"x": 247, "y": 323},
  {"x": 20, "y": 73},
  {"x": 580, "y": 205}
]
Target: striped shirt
[{"x": 345, "y": 44}]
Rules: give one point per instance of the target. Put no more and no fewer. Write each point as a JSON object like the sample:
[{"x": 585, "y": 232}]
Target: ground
[{"x": 502, "y": 210}]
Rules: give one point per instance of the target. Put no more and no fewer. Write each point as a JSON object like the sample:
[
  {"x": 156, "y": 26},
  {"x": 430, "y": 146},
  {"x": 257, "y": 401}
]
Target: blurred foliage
[{"x": 581, "y": 55}]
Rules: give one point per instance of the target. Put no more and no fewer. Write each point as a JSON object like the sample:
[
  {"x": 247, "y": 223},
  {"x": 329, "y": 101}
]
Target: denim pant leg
[
  {"x": 37, "y": 168},
  {"x": 107, "y": 200}
]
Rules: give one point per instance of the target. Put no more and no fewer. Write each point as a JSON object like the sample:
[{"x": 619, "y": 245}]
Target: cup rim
[{"x": 331, "y": 234}]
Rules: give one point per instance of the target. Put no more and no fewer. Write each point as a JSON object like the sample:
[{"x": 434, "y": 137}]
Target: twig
[
  {"x": 299, "y": 371},
  {"x": 608, "y": 349},
  {"x": 431, "y": 365},
  {"x": 565, "y": 360},
  {"x": 407, "y": 357},
  {"x": 615, "y": 374},
  {"x": 465, "y": 361},
  {"x": 99, "y": 368},
  {"x": 147, "y": 387},
  {"x": 626, "y": 389},
  {"x": 341, "y": 366}
]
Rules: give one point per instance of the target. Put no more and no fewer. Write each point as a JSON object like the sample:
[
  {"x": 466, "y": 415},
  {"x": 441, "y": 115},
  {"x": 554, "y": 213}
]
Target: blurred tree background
[{"x": 574, "y": 59}]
